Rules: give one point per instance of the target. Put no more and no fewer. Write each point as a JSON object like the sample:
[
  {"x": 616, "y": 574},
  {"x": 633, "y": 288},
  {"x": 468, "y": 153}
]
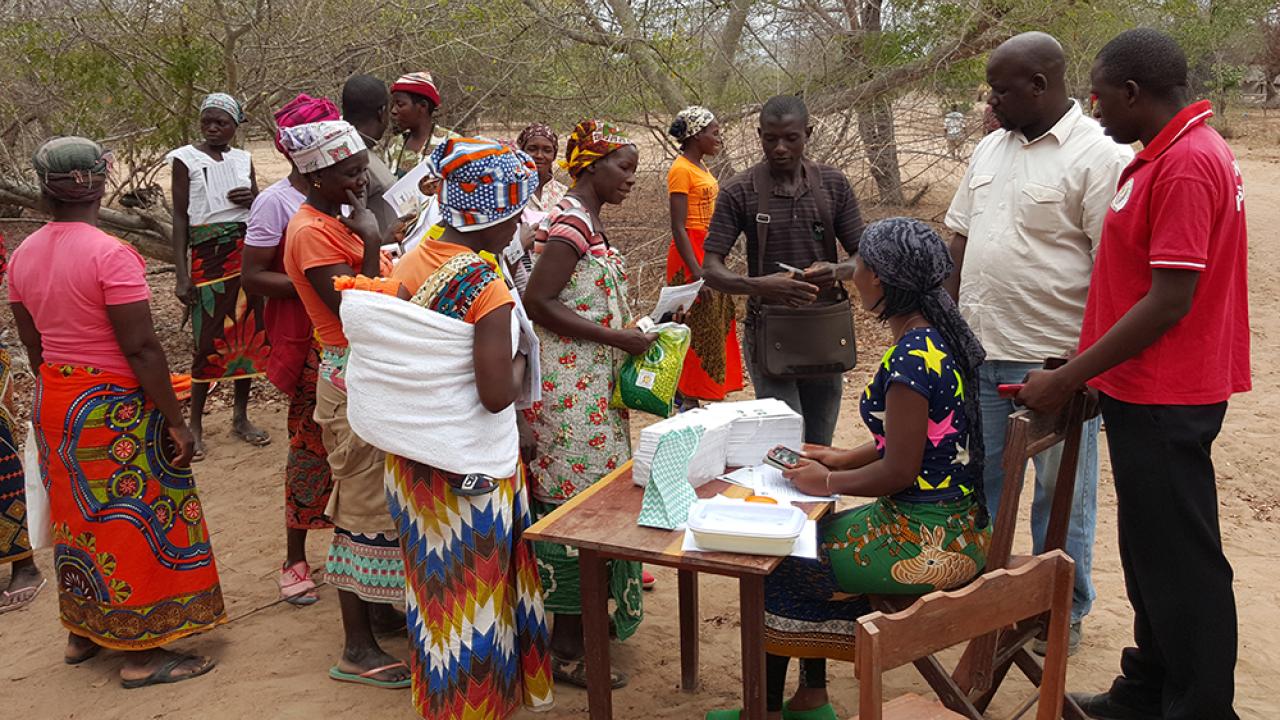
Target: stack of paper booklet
[
  {"x": 732, "y": 434},
  {"x": 758, "y": 427},
  {"x": 708, "y": 458}
]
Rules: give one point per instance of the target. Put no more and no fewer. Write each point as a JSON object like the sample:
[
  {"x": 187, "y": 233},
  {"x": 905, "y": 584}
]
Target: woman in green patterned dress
[
  {"x": 577, "y": 298},
  {"x": 209, "y": 225}
]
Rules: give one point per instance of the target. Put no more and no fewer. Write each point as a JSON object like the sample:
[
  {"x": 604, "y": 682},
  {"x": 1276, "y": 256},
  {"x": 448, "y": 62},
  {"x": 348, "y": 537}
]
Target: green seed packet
[{"x": 648, "y": 382}]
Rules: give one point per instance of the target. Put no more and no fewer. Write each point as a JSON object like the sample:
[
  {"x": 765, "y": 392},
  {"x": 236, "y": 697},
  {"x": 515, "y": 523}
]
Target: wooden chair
[
  {"x": 939, "y": 620},
  {"x": 986, "y": 661}
]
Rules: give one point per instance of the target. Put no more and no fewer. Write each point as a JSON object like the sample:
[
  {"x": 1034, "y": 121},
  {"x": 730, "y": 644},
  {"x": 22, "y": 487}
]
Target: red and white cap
[{"x": 418, "y": 83}]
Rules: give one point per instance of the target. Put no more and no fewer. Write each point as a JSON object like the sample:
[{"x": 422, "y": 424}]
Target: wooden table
[{"x": 601, "y": 523}]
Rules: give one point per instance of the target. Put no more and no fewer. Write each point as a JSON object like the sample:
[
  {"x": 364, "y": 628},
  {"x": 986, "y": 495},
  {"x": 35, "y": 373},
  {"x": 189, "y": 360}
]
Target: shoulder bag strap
[
  {"x": 764, "y": 190},
  {"x": 824, "y": 207}
]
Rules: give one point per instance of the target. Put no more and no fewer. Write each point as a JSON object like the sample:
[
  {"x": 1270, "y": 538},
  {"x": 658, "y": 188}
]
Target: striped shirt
[{"x": 795, "y": 227}]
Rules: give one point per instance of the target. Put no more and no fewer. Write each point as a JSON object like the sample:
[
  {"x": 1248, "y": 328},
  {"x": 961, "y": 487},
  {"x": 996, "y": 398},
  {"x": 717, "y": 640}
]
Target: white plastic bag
[{"x": 39, "y": 527}]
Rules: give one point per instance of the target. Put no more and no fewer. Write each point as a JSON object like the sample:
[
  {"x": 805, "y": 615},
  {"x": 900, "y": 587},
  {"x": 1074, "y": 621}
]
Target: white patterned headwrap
[
  {"x": 691, "y": 121},
  {"x": 226, "y": 104},
  {"x": 316, "y": 146}
]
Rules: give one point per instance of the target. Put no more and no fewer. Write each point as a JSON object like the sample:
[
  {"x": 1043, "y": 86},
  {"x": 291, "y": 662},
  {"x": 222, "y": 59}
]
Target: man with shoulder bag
[{"x": 798, "y": 338}]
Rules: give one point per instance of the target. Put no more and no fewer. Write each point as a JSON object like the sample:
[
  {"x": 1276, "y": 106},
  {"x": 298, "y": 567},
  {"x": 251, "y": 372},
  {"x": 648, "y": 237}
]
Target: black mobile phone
[{"x": 783, "y": 458}]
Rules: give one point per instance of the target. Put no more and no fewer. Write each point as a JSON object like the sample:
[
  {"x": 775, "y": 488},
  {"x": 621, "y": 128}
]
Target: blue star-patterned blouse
[{"x": 922, "y": 361}]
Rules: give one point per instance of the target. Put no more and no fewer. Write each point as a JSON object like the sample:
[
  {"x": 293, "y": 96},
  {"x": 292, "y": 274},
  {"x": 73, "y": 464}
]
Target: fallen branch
[{"x": 151, "y": 236}]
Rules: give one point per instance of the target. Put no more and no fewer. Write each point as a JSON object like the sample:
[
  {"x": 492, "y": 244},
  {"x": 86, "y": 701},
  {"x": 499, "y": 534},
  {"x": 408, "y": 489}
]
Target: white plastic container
[{"x": 748, "y": 528}]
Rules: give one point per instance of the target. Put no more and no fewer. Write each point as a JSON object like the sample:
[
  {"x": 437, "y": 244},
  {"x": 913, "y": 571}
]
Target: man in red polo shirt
[{"x": 1165, "y": 341}]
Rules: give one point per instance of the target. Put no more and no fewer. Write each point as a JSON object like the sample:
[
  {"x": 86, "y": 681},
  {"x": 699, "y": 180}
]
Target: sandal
[
  {"x": 296, "y": 585},
  {"x": 164, "y": 674},
  {"x": 367, "y": 677},
  {"x": 18, "y": 599},
  {"x": 574, "y": 672},
  {"x": 87, "y": 655},
  {"x": 647, "y": 580}
]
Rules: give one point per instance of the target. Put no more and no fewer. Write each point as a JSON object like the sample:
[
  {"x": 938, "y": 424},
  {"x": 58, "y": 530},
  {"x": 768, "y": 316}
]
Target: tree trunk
[
  {"x": 726, "y": 49},
  {"x": 875, "y": 125},
  {"x": 673, "y": 98}
]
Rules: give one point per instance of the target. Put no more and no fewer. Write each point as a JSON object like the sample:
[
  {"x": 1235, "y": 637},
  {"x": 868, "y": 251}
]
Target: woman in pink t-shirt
[{"x": 132, "y": 556}]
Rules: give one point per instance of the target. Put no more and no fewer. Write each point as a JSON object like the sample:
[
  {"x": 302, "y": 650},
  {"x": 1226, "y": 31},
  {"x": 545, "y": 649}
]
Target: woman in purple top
[{"x": 295, "y": 356}]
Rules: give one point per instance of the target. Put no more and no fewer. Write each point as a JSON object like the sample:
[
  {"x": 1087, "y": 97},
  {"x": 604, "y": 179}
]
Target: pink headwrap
[{"x": 300, "y": 111}]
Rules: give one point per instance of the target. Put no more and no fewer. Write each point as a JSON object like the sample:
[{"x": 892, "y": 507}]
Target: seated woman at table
[{"x": 927, "y": 529}]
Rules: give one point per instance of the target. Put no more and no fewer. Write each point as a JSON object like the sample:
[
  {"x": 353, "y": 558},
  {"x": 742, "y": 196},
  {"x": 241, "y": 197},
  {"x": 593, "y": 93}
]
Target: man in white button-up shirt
[{"x": 1027, "y": 220}]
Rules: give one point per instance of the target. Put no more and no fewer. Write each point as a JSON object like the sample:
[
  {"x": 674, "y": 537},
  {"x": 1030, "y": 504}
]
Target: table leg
[
  {"x": 751, "y": 599},
  {"x": 688, "y": 588},
  {"x": 595, "y": 629}
]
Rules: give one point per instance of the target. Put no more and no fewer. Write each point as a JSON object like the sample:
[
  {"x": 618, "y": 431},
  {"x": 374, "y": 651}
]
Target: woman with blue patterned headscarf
[{"x": 452, "y": 445}]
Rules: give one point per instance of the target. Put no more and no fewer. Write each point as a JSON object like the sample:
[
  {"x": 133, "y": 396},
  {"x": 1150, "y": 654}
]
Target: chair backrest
[
  {"x": 1027, "y": 435},
  {"x": 942, "y": 619}
]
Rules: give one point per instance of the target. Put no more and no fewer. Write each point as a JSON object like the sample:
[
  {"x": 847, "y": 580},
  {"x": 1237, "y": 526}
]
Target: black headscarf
[{"x": 912, "y": 262}]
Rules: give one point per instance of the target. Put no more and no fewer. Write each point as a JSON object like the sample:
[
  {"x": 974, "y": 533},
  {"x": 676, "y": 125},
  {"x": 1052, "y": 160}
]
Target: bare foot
[
  {"x": 197, "y": 432},
  {"x": 158, "y": 666},
  {"x": 250, "y": 433},
  {"x": 362, "y": 660}
]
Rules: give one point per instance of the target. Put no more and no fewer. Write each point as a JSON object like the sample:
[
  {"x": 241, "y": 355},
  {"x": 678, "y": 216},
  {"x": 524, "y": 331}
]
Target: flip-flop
[
  {"x": 256, "y": 438},
  {"x": 647, "y": 580},
  {"x": 197, "y": 455},
  {"x": 19, "y": 599},
  {"x": 574, "y": 672},
  {"x": 164, "y": 674},
  {"x": 367, "y": 677},
  {"x": 89, "y": 654},
  {"x": 826, "y": 712}
]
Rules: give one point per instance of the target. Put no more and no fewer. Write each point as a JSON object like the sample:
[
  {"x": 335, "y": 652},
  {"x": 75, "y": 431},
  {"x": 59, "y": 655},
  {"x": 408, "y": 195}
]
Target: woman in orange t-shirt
[
  {"x": 713, "y": 366},
  {"x": 364, "y": 561}
]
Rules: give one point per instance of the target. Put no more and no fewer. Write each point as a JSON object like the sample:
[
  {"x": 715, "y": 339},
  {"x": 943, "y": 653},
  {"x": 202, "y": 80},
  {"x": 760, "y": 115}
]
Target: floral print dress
[{"x": 580, "y": 438}]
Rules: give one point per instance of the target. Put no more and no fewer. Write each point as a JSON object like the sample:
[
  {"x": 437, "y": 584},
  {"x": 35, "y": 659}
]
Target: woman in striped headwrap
[
  {"x": 208, "y": 239},
  {"x": 578, "y": 298}
]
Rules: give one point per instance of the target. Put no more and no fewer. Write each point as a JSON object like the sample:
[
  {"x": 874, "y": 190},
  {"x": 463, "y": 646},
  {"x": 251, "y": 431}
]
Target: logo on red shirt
[{"x": 1122, "y": 197}]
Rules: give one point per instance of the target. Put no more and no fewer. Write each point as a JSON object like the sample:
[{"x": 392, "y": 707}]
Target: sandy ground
[{"x": 273, "y": 657}]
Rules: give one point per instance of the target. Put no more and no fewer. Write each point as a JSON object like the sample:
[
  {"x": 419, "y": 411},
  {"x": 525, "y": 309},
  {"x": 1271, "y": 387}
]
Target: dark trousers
[{"x": 1177, "y": 577}]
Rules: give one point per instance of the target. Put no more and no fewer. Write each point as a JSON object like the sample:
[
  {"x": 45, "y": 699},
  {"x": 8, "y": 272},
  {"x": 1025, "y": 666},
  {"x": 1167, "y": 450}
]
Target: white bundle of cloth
[{"x": 411, "y": 387}]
